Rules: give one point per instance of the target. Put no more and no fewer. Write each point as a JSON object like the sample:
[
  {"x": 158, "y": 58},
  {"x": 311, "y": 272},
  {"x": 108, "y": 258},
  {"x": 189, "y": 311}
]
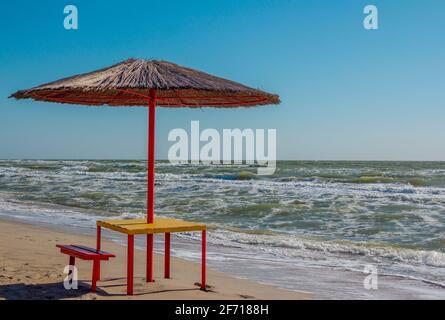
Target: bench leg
[
  {"x": 203, "y": 263},
  {"x": 130, "y": 264},
  {"x": 71, "y": 262},
  {"x": 149, "y": 267},
  {"x": 95, "y": 277},
  {"x": 98, "y": 243},
  {"x": 167, "y": 256}
]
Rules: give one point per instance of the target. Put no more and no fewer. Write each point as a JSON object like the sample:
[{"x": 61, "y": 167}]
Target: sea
[{"x": 337, "y": 229}]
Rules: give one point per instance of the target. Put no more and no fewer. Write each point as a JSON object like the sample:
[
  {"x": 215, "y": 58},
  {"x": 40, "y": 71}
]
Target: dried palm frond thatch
[{"x": 128, "y": 84}]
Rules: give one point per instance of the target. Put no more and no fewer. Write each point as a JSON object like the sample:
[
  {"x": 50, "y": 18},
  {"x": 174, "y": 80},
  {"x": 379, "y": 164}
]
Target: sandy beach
[{"x": 31, "y": 267}]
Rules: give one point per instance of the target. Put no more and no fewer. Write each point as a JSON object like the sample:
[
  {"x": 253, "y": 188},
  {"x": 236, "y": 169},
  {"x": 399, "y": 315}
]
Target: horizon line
[{"x": 109, "y": 159}]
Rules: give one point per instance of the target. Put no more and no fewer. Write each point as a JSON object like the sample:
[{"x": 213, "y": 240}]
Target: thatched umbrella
[{"x": 138, "y": 82}]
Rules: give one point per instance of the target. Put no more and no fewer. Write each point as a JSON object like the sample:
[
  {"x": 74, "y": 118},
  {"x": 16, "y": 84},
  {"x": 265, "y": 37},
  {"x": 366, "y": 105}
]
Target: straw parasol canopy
[{"x": 128, "y": 83}]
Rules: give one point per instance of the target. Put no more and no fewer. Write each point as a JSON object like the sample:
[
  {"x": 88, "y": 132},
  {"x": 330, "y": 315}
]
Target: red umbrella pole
[
  {"x": 151, "y": 181},
  {"x": 151, "y": 158}
]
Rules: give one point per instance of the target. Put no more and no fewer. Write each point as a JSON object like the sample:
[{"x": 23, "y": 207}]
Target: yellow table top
[{"x": 160, "y": 225}]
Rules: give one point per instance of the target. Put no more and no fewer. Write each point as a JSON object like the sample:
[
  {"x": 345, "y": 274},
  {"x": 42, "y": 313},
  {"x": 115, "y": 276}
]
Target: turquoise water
[{"x": 319, "y": 213}]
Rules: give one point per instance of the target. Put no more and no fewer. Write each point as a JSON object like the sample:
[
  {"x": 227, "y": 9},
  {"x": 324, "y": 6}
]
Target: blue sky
[{"x": 347, "y": 93}]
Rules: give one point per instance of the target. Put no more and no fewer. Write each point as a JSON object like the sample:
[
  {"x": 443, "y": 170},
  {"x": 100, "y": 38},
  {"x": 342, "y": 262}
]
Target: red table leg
[
  {"x": 149, "y": 271},
  {"x": 96, "y": 264},
  {"x": 130, "y": 264},
  {"x": 167, "y": 256},
  {"x": 203, "y": 265},
  {"x": 98, "y": 242}
]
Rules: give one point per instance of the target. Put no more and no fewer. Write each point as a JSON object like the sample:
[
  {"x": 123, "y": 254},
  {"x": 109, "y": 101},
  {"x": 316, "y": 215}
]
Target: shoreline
[
  {"x": 32, "y": 268},
  {"x": 241, "y": 278}
]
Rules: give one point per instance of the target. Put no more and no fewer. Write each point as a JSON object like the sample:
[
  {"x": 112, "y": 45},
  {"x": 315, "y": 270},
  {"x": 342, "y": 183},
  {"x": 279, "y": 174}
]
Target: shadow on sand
[
  {"x": 56, "y": 291},
  {"x": 47, "y": 291}
]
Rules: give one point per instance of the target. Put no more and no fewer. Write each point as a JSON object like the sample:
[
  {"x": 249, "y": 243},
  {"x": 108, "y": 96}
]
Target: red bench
[{"x": 85, "y": 253}]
